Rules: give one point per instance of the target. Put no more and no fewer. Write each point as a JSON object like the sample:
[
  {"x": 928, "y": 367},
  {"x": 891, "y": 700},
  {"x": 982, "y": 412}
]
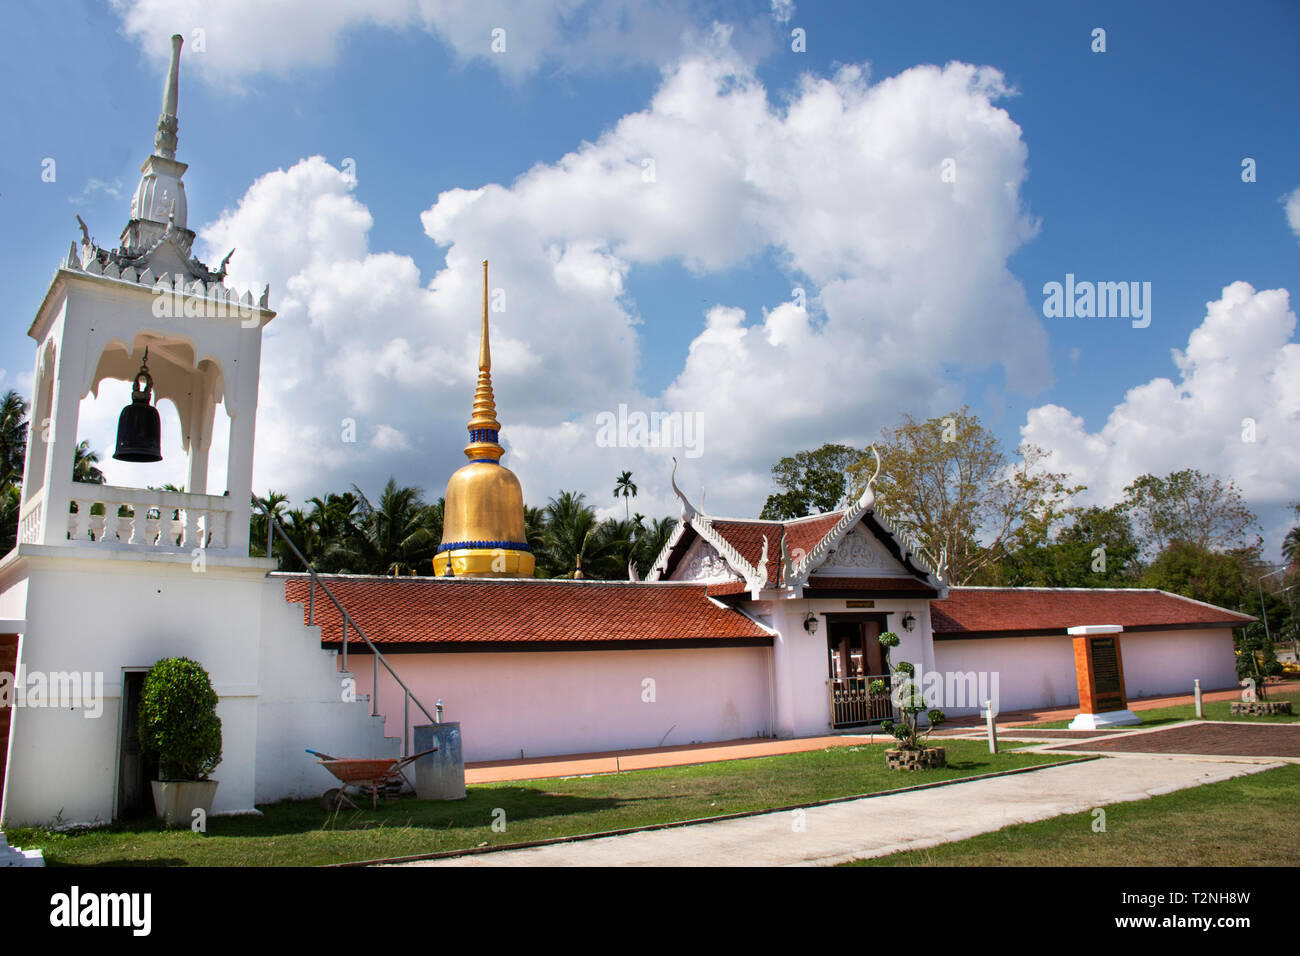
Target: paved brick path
[
  {"x": 1209, "y": 738},
  {"x": 1017, "y": 733}
]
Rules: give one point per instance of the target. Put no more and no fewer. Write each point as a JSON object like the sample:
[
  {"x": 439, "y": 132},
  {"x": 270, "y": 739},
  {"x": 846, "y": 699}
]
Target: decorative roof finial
[
  {"x": 484, "y": 429},
  {"x": 164, "y": 141},
  {"x": 688, "y": 510}
]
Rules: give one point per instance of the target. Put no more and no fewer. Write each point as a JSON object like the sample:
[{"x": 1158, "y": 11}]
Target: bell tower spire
[
  {"x": 159, "y": 209},
  {"x": 164, "y": 141}
]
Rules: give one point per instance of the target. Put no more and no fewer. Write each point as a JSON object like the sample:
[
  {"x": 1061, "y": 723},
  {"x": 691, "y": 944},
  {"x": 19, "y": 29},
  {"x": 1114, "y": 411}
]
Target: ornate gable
[
  {"x": 859, "y": 553},
  {"x": 702, "y": 562}
]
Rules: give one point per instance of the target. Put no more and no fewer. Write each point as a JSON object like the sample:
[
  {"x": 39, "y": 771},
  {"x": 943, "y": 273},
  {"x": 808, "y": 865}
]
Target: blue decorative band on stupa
[
  {"x": 484, "y": 435},
  {"x": 484, "y": 461},
  {"x": 485, "y": 546}
]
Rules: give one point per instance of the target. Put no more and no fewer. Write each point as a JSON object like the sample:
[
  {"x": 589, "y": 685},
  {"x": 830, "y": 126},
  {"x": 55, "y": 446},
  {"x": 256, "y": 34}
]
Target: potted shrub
[
  {"x": 911, "y": 752},
  {"x": 179, "y": 727}
]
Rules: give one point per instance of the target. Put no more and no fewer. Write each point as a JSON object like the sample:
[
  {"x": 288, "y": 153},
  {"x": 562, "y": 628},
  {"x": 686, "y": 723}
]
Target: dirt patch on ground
[{"x": 1228, "y": 740}]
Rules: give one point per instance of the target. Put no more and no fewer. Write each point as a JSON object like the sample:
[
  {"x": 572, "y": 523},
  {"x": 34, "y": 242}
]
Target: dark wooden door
[
  {"x": 854, "y": 659},
  {"x": 8, "y": 665},
  {"x": 135, "y": 770}
]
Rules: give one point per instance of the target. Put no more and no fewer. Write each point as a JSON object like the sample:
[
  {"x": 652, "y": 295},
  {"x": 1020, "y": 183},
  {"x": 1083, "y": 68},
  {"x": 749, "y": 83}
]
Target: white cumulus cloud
[
  {"x": 235, "y": 39},
  {"x": 903, "y": 273},
  {"x": 1292, "y": 203},
  {"x": 1232, "y": 409}
]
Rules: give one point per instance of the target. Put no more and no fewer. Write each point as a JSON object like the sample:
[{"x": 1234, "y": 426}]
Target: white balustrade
[
  {"x": 144, "y": 519},
  {"x": 29, "y": 523}
]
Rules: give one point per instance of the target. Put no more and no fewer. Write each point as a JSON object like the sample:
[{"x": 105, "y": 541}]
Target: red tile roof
[
  {"x": 1009, "y": 611},
  {"x": 826, "y": 582},
  {"x": 456, "y": 611},
  {"x": 801, "y": 536}
]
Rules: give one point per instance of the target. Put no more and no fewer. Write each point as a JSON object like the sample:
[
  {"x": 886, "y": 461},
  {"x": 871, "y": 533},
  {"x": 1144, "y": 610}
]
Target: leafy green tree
[
  {"x": 1193, "y": 507},
  {"x": 810, "y": 482},
  {"x": 1197, "y": 572},
  {"x": 1096, "y": 550},
  {"x": 947, "y": 483},
  {"x": 1256, "y": 658}
]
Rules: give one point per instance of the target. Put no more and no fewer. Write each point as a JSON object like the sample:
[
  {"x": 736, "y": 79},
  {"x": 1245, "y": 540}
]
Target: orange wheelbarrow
[{"x": 367, "y": 776}]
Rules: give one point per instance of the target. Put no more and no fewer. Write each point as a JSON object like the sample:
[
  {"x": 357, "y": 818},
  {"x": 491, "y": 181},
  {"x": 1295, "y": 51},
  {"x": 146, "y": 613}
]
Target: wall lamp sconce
[
  {"x": 810, "y": 623},
  {"x": 909, "y": 621}
]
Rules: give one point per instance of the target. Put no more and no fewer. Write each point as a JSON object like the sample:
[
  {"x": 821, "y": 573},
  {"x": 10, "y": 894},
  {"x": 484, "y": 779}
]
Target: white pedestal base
[
  {"x": 1111, "y": 718},
  {"x": 12, "y": 856}
]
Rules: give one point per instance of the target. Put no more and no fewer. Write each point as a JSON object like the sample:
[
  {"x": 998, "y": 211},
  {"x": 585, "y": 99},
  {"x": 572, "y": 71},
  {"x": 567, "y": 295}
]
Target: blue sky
[{"x": 1128, "y": 166}]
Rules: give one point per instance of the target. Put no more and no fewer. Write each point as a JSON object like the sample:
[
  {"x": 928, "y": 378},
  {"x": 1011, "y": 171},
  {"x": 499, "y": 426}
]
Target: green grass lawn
[
  {"x": 1248, "y": 821},
  {"x": 1214, "y": 710},
  {"x": 297, "y": 833}
]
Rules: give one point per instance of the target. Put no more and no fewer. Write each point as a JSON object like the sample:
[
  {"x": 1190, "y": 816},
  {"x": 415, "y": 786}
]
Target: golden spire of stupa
[
  {"x": 483, "y": 512},
  {"x": 483, "y": 425}
]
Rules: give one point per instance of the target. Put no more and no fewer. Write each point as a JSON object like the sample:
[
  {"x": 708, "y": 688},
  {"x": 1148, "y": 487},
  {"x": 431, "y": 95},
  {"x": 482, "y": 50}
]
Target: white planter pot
[{"x": 176, "y": 800}]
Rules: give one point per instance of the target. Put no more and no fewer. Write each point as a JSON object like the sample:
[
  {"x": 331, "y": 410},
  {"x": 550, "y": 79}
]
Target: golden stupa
[{"x": 483, "y": 514}]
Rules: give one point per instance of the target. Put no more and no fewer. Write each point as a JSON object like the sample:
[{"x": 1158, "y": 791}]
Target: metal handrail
[{"x": 272, "y": 528}]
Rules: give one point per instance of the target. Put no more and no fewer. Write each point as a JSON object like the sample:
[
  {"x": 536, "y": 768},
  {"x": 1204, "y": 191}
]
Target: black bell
[{"x": 139, "y": 430}]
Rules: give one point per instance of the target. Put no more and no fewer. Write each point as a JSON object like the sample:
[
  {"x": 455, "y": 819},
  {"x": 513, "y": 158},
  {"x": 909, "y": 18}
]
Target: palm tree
[
  {"x": 1291, "y": 547},
  {"x": 83, "y": 465},
  {"x": 333, "y": 526},
  {"x": 625, "y": 487},
  {"x": 10, "y": 507},
  {"x": 274, "y": 502},
  {"x": 13, "y": 437},
  {"x": 395, "y": 536},
  {"x": 572, "y": 532},
  {"x": 650, "y": 540}
]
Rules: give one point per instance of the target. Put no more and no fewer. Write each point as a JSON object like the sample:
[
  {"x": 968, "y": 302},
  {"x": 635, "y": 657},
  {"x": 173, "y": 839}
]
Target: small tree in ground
[
  {"x": 909, "y": 700},
  {"x": 1256, "y": 659}
]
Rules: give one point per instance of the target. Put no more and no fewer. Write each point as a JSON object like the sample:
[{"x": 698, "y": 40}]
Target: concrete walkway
[
  {"x": 876, "y": 826},
  {"x": 616, "y": 761}
]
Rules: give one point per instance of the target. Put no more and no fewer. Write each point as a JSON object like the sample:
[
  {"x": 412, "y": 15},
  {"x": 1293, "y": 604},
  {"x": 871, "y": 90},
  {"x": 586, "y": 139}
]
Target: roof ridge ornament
[
  {"x": 688, "y": 510},
  {"x": 867, "y": 502}
]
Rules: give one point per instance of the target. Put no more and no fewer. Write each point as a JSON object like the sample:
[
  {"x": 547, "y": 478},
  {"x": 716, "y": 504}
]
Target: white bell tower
[{"x": 103, "y": 310}]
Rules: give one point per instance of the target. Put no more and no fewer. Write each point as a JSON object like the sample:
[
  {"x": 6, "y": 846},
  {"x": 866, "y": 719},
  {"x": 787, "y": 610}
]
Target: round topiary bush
[{"x": 178, "y": 720}]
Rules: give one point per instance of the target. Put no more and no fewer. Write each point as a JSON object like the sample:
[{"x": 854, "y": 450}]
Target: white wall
[
  {"x": 105, "y": 614},
  {"x": 1027, "y": 672},
  {"x": 302, "y": 704},
  {"x": 558, "y": 702},
  {"x": 801, "y": 663},
  {"x": 1037, "y": 673},
  {"x": 1168, "y": 662},
  {"x": 278, "y": 691}
]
